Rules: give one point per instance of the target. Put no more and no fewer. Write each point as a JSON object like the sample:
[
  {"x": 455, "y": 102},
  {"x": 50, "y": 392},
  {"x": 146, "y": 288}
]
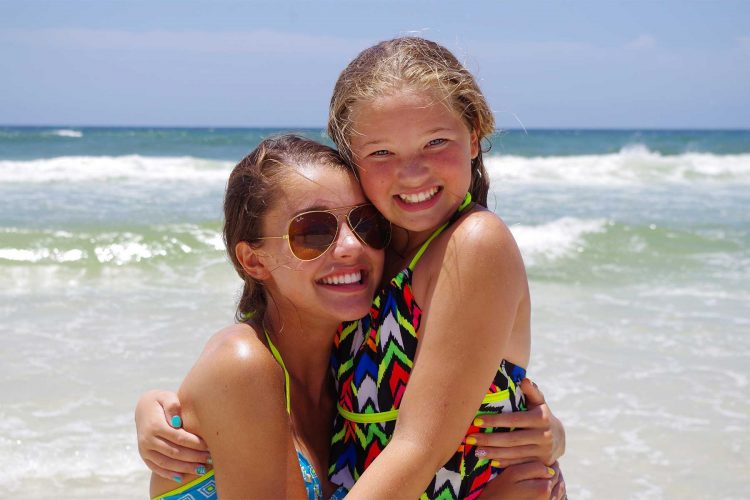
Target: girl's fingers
[
  {"x": 166, "y": 474},
  {"x": 179, "y": 453},
  {"x": 173, "y": 466},
  {"x": 183, "y": 438}
]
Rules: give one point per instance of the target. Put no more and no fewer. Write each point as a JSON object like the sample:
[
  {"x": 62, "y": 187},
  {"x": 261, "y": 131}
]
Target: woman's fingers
[
  {"x": 529, "y": 470},
  {"x": 524, "y": 445},
  {"x": 534, "y": 418},
  {"x": 533, "y": 394},
  {"x": 514, "y": 455},
  {"x": 558, "y": 487},
  {"x": 536, "y": 437}
]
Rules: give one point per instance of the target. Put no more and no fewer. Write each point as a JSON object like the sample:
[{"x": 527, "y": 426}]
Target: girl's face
[
  {"x": 338, "y": 285},
  {"x": 414, "y": 157}
]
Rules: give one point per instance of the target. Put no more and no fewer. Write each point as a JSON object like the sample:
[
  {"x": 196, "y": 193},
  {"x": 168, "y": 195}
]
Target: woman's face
[{"x": 338, "y": 285}]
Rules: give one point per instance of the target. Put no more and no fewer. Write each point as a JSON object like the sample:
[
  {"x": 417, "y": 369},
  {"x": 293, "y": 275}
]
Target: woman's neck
[{"x": 305, "y": 348}]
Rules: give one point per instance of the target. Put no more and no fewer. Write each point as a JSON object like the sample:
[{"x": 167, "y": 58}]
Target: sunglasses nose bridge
[{"x": 347, "y": 242}]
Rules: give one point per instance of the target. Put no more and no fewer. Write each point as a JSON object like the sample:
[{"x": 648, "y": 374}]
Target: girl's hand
[
  {"x": 538, "y": 434},
  {"x": 168, "y": 450},
  {"x": 529, "y": 481}
]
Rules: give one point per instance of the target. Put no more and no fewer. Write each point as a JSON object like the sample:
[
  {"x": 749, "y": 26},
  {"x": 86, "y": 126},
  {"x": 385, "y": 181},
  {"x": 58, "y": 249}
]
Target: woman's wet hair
[
  {"x": 254, "y": 186},
  {"x": 414, "y": 64}
]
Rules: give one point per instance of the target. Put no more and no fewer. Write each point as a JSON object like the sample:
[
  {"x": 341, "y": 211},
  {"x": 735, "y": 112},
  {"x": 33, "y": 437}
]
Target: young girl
[
  {"x": 452, "y": 321},
  {"x": 443, "y": 347},
  {"x": 309, "y": 248}
]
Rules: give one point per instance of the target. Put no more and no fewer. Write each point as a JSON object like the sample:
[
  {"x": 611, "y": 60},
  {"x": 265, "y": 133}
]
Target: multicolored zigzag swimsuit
[{"x": 372, "y": 361}]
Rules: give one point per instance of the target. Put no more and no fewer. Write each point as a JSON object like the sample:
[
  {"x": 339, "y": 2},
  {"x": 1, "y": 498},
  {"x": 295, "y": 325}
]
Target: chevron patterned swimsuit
[{"x": 372, "y": 361}]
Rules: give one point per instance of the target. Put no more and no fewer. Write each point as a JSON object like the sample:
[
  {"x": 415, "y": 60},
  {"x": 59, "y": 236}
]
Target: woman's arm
[
  {"x": 234, "y": 398},
  {"x": 527, "y": 481},
  {"x": 479, "y": 301},
  {"x": 537, "y": 435}
]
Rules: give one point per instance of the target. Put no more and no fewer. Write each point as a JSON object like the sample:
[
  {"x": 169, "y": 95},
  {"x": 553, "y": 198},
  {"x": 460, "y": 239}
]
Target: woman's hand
[
  {"x": 528, "y": 481},
  {"x": 537, "y": 435},
  {"x": 169, "y": 451}
]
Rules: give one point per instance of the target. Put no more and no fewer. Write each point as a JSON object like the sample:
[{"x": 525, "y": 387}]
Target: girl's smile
[{"x": 413, "y": 154}]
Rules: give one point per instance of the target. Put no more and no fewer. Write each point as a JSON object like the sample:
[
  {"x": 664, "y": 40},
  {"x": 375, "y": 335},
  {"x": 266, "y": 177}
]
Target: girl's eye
[
  {"x": 380, "y": 152},
  {"x": 436, "y": 142}
]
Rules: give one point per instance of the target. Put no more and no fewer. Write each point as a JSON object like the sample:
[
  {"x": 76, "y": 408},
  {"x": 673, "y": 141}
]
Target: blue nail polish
[
  {"x": 176, "y": 422},
  {"x": 177, "y": 479},
  {"x": 200, "y": 470}
]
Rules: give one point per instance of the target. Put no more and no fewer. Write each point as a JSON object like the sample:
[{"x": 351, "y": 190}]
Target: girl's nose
[{"x": 413, "y": 167}]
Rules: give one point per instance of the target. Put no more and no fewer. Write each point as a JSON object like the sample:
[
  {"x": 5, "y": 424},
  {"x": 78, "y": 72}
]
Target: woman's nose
[{"x": 347, "y": 244}]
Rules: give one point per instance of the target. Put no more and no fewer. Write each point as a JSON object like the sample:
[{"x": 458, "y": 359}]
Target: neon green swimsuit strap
[
  {"x": 277, "y": 355},
  {"x": 423, "y": 248}
]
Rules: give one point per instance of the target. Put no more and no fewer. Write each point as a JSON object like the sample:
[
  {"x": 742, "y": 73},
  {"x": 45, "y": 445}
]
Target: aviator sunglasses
[{"x": 312, "y": 233}]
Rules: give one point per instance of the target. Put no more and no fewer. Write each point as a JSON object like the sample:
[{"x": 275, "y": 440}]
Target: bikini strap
[
  {"x": 277, "y": 356},
  {"x": 454, "y": 218}
]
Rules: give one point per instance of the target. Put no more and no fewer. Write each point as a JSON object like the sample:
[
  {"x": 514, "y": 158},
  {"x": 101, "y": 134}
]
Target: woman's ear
[
  {"x": 474, "y": 144},
  {"x": 251, "y": 261}
]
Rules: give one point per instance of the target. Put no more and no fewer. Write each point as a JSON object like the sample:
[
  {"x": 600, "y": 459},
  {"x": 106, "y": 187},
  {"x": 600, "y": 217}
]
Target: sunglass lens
[
  {"x": 371, "y": 227},
  {"x": 311, "y": 233}
]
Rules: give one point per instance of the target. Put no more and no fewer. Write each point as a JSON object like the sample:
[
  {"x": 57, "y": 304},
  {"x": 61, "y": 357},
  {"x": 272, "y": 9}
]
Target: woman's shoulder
[{"x": 237, "y": 359}]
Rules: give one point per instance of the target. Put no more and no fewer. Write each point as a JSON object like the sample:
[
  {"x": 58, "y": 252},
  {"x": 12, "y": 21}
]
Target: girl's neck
[{"x": 405, "y": 243}]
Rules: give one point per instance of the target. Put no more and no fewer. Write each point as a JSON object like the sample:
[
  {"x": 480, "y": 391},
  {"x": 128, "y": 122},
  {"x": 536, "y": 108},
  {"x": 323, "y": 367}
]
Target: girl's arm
[
  {"x": 166, "y": 448},
  {"x": 169, "y": 452},
  {"x": 478, "y": 302},
  {"x": 234, "y": 398}
]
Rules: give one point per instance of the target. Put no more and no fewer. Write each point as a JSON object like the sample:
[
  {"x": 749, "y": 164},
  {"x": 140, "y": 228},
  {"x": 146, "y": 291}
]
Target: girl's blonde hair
[{"x": 416, "y": 64}]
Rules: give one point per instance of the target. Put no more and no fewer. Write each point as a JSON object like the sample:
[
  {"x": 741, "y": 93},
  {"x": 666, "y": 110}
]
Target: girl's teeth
[
  {"x": 343, "y": 279},
  {"x": 418, "y": 197}
]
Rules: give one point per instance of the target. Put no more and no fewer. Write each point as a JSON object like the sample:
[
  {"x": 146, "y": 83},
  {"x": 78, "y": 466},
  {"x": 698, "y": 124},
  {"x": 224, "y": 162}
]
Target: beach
[{"x": 637, "y": 248}]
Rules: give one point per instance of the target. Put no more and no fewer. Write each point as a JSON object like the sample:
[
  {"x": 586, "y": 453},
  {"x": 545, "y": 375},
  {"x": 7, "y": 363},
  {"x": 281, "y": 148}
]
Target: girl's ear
[
  {"x": 250, "y": 261},
  {"x": 474, "y": 144}
]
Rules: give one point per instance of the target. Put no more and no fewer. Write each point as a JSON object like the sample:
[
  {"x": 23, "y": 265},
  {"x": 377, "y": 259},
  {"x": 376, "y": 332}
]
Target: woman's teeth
[
  {"x": 343, "y": 279},
  {"x": 419, "y": 197}
]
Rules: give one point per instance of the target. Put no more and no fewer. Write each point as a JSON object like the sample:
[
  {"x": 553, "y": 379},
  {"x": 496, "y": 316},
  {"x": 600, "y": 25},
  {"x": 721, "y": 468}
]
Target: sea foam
[
  {"x": 554, "y": 240},
  {"x": 128, "y": 168},
  {"x": 65, "y": 132},
  {"x": 632, "y": 165}
]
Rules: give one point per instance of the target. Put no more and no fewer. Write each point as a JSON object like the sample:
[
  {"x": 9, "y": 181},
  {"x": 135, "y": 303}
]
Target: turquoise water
[{"x": 637, "y": 246}]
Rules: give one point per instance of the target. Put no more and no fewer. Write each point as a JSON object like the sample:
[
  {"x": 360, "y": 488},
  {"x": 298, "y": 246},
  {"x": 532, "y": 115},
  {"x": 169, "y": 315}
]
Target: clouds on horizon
[{"x": 578, "y": 74}]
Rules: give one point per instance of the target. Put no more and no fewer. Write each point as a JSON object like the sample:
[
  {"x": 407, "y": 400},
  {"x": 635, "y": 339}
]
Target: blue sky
[{"x": 582, "y": 64}]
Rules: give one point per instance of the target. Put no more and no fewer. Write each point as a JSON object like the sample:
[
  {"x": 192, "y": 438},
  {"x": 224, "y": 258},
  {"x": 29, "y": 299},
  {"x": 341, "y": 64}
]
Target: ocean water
[{"x": 637, "y": 245}]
